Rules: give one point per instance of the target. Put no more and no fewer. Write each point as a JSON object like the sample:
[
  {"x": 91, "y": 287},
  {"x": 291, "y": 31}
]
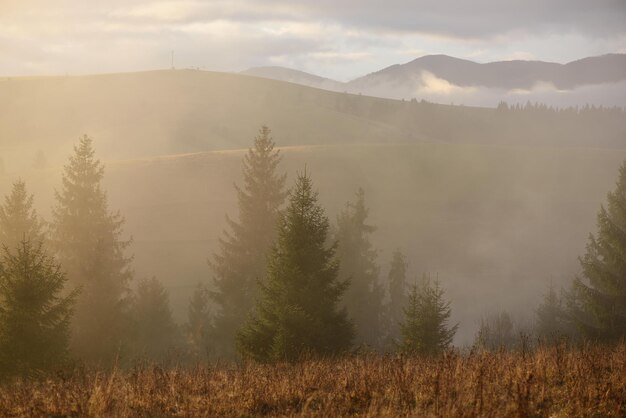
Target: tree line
[{"x": 285, "y": 282}]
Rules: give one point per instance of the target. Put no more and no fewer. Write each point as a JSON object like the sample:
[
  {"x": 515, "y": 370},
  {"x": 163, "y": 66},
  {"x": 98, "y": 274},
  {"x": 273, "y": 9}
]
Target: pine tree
[
  {"x": 364, "y": 297},
  {"x": 199, "y": 322},
  {"x": 154, "y": 330},
  {"x": 87, "y": 241},
  {"x": 496, "y": 332},
  {"x": 425, "y": 330},
  {"x": 551, "y": 323},
  {"x": 241, "y": 261},
  {"x": 18, "y": 219},
  {"x": 298, "y": 310},
  {"x": 35, "y": 310},
  {"x": 397, "y": 293},
  {"x": 597, "y": 303}
]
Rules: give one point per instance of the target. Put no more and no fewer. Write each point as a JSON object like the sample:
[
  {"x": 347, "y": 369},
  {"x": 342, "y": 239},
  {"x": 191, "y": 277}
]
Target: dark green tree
[
  {"x": 199, "y": 323},
  {"x": 397, "y": 293},
  {"x": 597, "y": 302},
  {"x": 86, "y": 237},
  {"x": 241, "y": 260},
  {"x": 364, "y": 297},
  {"x": 18, "y": 218},
  {"x": 425, "y": 330},
  {"x": 154, "y": 330},
  {"x": 35, "y": 310},
  {"x": 298, "y": 310}
]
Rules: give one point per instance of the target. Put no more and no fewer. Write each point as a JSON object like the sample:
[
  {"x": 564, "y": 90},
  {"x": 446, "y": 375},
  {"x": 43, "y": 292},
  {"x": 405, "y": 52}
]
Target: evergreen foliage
[
  {"x": 35, "y": 310},
  {"x": 364, "y": 297},
  {"x": 18, "y": 219},
  {"x": 87, "y": 241},
  {"x": 597, "y": 302},
  {"x": 199, "y": 322},
  {"x": 397, "y": 293},
  {"x": 241, "y": 260},
  {"x": 496, "y": 332},
  {"x": 155, "y": 332},
  {"x": 298, "y": 312},
  {"x": 425, "y": 330},
  {"x": 552, "y": 324}
]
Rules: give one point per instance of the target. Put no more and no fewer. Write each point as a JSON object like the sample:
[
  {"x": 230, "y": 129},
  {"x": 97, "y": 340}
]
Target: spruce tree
[
  {"x": 425, "y": 330},
  {"x": 597, "y": 303},
  {"x": 199, "y": 322},
  {"x": 35, "y": 310},
  {"x": 551, "y": 320},
  {"x": 397, "y": 293},
  {"x": 298, "y": 312},
  {"x": 241, "y": 260},
  {"x": 154, "y": 331},
  {"x": 86, "y": 237},
  {"x": 364, "y": 297},
  {"x": 496, "y": 332},
  {"x": 18, "y": 218}
]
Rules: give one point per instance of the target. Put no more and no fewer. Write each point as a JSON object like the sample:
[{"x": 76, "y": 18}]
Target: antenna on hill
[{"x": 172, "y": 59}]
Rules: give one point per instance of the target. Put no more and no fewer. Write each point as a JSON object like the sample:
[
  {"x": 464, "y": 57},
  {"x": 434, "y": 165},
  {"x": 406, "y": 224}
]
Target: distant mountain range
[{"x": 441, "y": 77}]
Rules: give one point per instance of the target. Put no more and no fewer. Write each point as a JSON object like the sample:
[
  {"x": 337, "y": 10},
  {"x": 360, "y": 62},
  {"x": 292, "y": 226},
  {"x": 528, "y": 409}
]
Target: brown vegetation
[{"x": 551, "y": 381}]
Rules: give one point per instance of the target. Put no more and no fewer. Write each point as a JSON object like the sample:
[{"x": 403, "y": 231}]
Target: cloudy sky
[{"x": 341, "y": 39}]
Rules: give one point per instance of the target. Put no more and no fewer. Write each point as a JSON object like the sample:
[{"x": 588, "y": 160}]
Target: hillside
[
  {"x": 498, "y": 202},
  {"x": 172, "y": 112},
  {"x": 497, "y": 224},
  {"x": 599, "y": 81}
]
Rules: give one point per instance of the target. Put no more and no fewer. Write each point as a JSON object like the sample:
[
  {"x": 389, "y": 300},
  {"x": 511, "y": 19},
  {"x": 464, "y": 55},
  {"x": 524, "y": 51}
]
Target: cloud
[
  {"x": 339, "y": 39},
  {"x": 432, "y": 85}
]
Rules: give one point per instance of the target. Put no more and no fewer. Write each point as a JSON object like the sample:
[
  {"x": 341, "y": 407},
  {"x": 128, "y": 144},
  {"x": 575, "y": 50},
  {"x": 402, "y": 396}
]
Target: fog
[{"x": 495, "y": 203}]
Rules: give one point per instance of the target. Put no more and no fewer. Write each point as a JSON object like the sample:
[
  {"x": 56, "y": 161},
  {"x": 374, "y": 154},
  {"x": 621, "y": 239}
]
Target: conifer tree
[
  {"x": 86, "y": 237},
  {"x": 199, "y": 322},
  {"x": 425, "y": 330},
  {"x": 298, "y": 310},
  {"x": 35, "y": 310},
  {"x": 397, "y": 292},
  {"x": 597, "y": 303},
  {"x": 154, "y": 330},
  {"x": 496, "y": 332},
  {"x": 18, "y": 218},
  {"x": 241, "y": 260},
  {"x": 551, "y": 322},
  {"x": 364, "y": 297}
]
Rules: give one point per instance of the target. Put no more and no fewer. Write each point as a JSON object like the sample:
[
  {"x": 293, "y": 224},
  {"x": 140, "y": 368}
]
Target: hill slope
[{"x": 173, "y": 112}]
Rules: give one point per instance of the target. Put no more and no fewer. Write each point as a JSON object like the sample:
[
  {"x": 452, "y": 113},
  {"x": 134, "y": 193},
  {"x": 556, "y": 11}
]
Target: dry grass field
[{"x": 551, "y": 381}]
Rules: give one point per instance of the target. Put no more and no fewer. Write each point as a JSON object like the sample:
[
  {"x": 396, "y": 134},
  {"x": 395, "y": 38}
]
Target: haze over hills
[
  {"x": 145, "y": 114},
  {"x": 595, "y": 80},
  {"x": 485, "y": 197},
  {"x": 295, "y": 76}
]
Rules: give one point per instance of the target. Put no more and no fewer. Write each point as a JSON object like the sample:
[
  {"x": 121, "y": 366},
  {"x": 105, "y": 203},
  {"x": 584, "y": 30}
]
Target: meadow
[{"x": 550, "y": 381}]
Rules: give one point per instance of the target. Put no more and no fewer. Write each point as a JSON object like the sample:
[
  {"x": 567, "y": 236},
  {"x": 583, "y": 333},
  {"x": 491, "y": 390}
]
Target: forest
[{"x": 288, "y": 288}]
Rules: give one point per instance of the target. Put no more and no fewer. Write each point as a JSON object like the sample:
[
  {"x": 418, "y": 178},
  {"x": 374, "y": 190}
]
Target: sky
[{"x": 336, "y": 39}]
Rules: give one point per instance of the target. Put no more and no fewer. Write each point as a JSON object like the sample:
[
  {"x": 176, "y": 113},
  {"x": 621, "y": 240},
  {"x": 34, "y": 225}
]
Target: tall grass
[{"x": 549, "y": 381}]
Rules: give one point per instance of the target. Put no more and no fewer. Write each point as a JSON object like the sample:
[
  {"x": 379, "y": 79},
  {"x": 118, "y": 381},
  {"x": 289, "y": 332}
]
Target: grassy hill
[{"x": 172, "y": 112}]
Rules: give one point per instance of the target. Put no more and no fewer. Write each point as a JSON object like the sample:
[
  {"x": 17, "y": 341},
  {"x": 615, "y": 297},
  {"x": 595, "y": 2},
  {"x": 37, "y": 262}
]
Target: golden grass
[{"x": 550, "y": 381}]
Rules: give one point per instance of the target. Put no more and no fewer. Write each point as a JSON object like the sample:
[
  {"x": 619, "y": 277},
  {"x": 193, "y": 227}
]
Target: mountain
[
  {"x": 137, "y": 115},
  {"x": 295, "y": 76},
  {"x": 509, "y": 75},
  {"x": 599, "y": 81}
]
